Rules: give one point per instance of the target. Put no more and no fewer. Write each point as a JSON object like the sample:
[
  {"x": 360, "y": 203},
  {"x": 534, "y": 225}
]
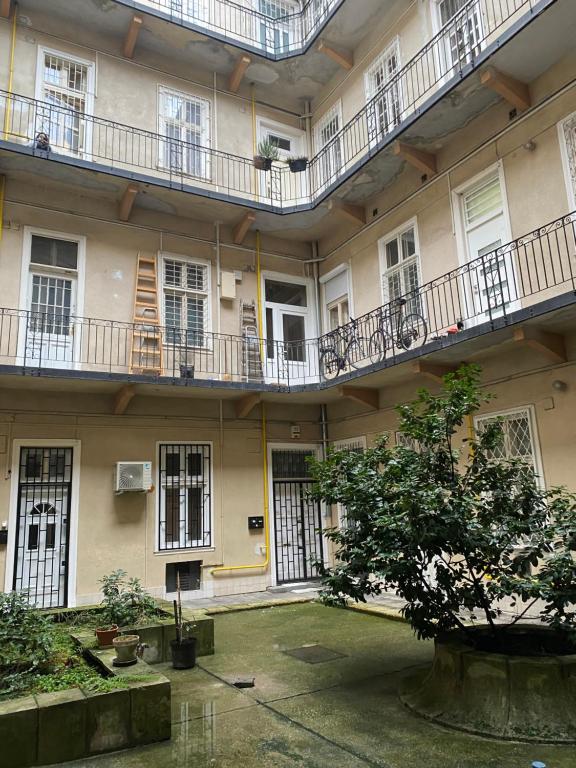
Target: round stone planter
[{"x": 521, "y": 697}]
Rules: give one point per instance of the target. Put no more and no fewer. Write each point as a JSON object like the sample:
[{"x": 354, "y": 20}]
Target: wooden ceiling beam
[
  {"x": 514, "y": 91},
  {"x": 5, "y": 8},
  {"x": 246, "y": 405},
  {"x": 354, "y": 213},
  {"x": 362, "y": 395},
  {"x": 423, "y": 161},
  {"x": 242, "y": 64},
  {"x": 132, "y": 36},
  {"x": 434, "y": 371},
  {"x": 123, "y": 398},
  {"x": 552, "y": 345},
  {"x": 127, "y": 202},
  {"x": 241, "y": 229},
  {"x": 344, "y": 59}
]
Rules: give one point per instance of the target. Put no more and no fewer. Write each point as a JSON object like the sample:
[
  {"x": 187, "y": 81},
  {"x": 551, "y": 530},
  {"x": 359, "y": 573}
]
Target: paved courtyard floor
[{"x": 340, "y": 712}]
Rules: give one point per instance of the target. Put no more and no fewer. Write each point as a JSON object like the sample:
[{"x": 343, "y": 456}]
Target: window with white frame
[
  {"x": 278, "y": 24},
  {"x": 328, "y": 145},
  {"x": 461, "y": 21},
  {"x": 185, "y": 124},
  {"x": 405, "y": 441},
  {"x": 401, "y": 268},
  {"x": 353, "y": 445},
  {"x": 65, "y": 88},
  {"x": 336, "y": 300},
  {"x": 518, "y": 436},
  {"x": 186, "y": 292},
  {"x": 383, "y": 93},
  {"x": 185, "y": 496}
]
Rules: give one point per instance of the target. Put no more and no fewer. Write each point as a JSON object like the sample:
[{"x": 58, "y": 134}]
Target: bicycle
[
  {"x": 345, "y": 349},
  {"x": 405, "y": 331}
]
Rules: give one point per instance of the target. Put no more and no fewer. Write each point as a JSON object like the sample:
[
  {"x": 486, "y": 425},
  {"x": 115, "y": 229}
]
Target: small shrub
[
  {"x": 125, "y": 601},
  {"x": 27, "y": 642}
]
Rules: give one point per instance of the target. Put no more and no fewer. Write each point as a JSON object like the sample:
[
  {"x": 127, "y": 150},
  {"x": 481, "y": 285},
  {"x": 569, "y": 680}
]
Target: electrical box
[
  {"x": 255, "y": 523},
  {"x": 227, "y": 286},
  {"x": 133, "y": 476}
]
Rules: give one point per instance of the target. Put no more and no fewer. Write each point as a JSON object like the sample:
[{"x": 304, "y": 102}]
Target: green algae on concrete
[
  {"x": 61, "y": 726},
  {"x": 107, "y": 721},
  {"x": 345, "y": 713},
  {"x": 19, "y": 732}
]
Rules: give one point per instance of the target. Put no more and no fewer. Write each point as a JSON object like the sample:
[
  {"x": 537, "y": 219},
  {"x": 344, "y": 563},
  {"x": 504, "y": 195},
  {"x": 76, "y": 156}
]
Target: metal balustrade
[
  {"x": 73, "y": 136},
  {"x": 519, "y": 275},
  {"x": 274, "y": 28}
]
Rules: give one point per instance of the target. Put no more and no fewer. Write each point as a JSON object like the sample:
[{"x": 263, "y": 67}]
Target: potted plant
[
  {"x": 126, "y": 647},
  {"x": 125, "y": 604},
  {"x": 267, "y": 154},
  {"x": 298, "y": 164},
  {"x": 473, "y": 544},
  {"x": 184, "y": 646}
]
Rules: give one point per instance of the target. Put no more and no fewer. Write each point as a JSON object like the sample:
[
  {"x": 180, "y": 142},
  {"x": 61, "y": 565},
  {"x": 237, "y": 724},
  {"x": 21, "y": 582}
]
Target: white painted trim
[
  {"x": 309, "y": 312},
  {"x": 162, "y": 255},
  {"x": 570, "y": 191},
  {"x": 79, "y": 273},
  {"x": 158, "y": 489},
  {"x": 531, "y": 410},
  {"x": 264, "y": 123},
  {"x": 412, "y": 223},
  {"x": 206, "y": 127},
  {"x": 76, "y": 446},
  {"x": 317, "y": 448}
]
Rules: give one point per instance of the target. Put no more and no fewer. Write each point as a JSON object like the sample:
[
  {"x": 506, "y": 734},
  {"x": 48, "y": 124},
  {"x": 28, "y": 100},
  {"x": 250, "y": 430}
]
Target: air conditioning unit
[{"x": 133, "y": 476}]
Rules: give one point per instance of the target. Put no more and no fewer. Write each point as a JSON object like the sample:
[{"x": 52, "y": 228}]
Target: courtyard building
[{"x": 236, "y": 234}]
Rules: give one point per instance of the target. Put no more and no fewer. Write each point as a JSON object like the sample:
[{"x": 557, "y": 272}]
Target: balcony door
[
  {"x": 50, "y": 331},
  {"x": 277, "y": 24},
  {"x": 490, "y": 278},
  {"x": 278, "y": 185},
  {"x": 328, "y": 144},
  {"x": 288, "y": 321},
  {"x": 460, "y": 22}
]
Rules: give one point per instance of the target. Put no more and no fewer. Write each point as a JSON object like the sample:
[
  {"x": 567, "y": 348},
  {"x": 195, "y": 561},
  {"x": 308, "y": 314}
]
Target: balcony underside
[
  {"x": 479, "y": 343},
  {"x": 521, "y": 51},
  {"x": 205, "y": 49}
]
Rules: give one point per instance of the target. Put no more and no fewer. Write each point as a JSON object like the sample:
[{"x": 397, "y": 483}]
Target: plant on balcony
[
  {"x": 462, "y": 537},
  {"x": 298, "y": 164},
  {"x": 125, "y": 604},
  {"x": 266, "y": 155}
]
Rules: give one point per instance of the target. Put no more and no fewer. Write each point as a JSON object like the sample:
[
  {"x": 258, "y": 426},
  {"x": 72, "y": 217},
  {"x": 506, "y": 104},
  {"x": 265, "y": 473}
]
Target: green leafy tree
[{"x": 446, "y": 526}]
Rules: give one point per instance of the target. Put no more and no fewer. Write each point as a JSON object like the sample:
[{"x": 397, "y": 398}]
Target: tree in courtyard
[{"x": 449, "y": 527}]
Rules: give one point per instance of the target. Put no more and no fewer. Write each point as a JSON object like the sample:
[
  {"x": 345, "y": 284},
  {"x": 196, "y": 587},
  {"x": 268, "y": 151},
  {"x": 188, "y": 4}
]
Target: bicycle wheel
[
  {"x": 413, "y": 331},
  {"x": 357, "y": 353},
  {"x": 329, "y": 364},
  {"x": 377, "y": 347}
]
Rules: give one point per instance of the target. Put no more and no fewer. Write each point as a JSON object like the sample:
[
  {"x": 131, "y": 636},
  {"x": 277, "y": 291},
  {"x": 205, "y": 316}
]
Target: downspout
[
  {"x": 266, "y": 562},
  {"x": 10, "y": 73},
  {"x": 259, "y": 296},
  {"x": 2, "y": 197}
]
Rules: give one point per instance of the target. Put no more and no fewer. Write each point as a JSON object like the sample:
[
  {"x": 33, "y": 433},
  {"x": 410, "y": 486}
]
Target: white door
[
  {"x": 278, "y": 184},
  {"x": 490, "y": 281},
  {"x": 383, "y": 96},
  {"x": 49, "y": 332},
  {"x": 41, "y": 560},
  {"x": 328, "y": 148},
  {"x": 289, "y": 357}
]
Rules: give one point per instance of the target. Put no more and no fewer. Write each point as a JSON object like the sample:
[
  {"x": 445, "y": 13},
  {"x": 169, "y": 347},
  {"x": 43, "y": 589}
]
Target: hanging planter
[
  {"x": 267, "y": 154},
  {"x": 298, "y": 164}
]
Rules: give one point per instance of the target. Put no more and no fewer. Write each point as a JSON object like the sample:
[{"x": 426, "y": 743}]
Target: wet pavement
[{"x": 331, "y": 706}]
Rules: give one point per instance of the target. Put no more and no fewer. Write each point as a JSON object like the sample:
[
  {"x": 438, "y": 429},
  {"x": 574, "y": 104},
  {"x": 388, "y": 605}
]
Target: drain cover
[{"x": 314, "y": 654}]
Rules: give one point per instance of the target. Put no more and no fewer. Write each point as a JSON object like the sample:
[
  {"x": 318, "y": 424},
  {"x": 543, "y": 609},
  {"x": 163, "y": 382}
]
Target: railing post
[{"x": 486, "y": 291}]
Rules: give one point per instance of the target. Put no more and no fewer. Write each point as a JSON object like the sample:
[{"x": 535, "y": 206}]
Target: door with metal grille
[
  {"x": 297, "y": 519},
  {"x": 42, "y": 525}
]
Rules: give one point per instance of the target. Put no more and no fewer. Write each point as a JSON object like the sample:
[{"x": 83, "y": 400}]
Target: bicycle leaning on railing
[
  {"x": 396, "y": 328},
  {"x": 341, "y": 349}
]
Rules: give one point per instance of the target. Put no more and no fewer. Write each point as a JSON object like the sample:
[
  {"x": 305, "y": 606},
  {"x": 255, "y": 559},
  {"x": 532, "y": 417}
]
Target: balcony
[
  {"x": 402, "y": 107},
  {"x": 471, "y": 306}
]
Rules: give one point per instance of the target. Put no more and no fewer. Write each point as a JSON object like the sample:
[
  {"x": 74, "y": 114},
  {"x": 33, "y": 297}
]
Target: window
[
  {"x": 336, "y": 300},
  {"x": 385, "y": 108},
  {"x": 519, "y": 436},
  {"x": 184, "y": 121},
  {"x": 51, "y": 294},
  {"x": 65, "y": 86},
  {"x": 405, "y": 441},
  {"x": 461, "y": 22},
  {"x": 186, "y": 287},
  {"x": 353, "y": 445},
  {"x": 277, "y": 29},
  {"x": 328, "y": 145},
  {"x": 185, "y": 498},
  {"x": 401, "y": 268}
]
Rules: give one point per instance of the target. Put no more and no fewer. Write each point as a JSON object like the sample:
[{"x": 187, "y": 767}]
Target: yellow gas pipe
[
  {"x": 266, "y": 562},
  {"x": 10, "y": 75}
]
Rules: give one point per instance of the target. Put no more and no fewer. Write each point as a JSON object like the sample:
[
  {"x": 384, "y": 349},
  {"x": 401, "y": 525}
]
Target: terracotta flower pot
[
  {"x": 262, "y": 163},
  {"x": 105, "y": 635},
  {"x": 125, "y": 647}
]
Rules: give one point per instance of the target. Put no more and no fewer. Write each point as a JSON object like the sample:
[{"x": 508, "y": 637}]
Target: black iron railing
[
  {"x": 59, "y": 131},
  {"x": 523, "y": 273},
  {"x": 275, "y": 28}
]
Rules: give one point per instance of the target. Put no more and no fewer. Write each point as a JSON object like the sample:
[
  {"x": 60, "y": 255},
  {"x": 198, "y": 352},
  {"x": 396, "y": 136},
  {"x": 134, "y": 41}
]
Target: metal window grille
[
  {"x": 185, "y": 483},
  {"x": 517, "y": 436},
  {"x": 42, "y": 525},
  {"x": 65, "y": 88},
  {"x": 50, "y": 306}
]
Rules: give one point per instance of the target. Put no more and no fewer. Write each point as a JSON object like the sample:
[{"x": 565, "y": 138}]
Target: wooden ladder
[
  {"x": 251, "y": 351},
  {"x": 146, "y": 355}
]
